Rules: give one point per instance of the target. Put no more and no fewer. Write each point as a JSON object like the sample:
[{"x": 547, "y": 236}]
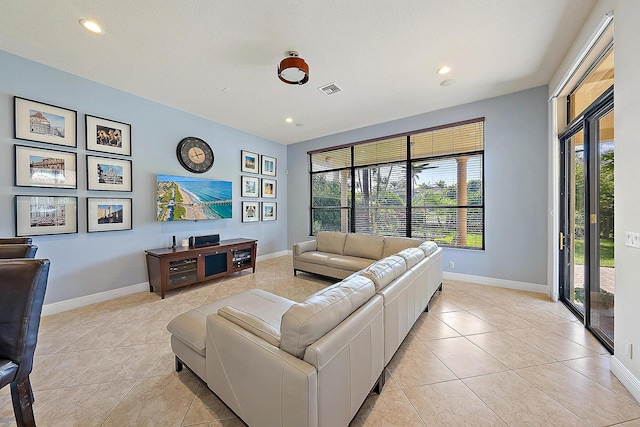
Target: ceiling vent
[{"x": 329, "y": 89}]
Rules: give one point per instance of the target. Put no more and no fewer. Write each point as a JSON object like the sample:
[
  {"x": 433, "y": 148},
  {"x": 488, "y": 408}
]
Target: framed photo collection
[
  {"x": 107, "y": 136},
  {"x": 105, "y": 214},
  {"x": 268, "y": 188},
  {"x": 108, "y": 174},
  {"x": 250, "y": 162},
  {"x": 40, "y": 122},
  {"x": 39, "y": 167},
  {"x": 250, "y": 186},
  {"x": 42, "y": 215},
  {"x": 269, "y": 211},
  {"x": 250, "y": 211},
  {"x": 268, "y": 166}
]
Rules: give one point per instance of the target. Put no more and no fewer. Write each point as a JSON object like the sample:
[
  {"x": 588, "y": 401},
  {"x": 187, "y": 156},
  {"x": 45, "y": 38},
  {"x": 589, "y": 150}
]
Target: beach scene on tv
[{"x": 183, "y": 198}]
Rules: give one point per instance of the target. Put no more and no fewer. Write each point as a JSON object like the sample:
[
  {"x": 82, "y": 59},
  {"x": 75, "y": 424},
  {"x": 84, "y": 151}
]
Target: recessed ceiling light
[
  {"x": 444, "y": 70},
  {"x": 288, "y": 120},
  {"x": 92, "y": 26}
]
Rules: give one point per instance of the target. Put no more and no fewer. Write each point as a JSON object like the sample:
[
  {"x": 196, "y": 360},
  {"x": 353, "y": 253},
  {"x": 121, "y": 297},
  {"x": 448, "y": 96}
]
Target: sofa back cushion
[
  {"x": 393, "y": 245},
  {"x": 429, "y": 247},
  {"x": 364, "y": 245},
  {"x": 306, "y": 322},
  {"x": 331, "y": 242},
  {"x": 411, "y": 256},
  {"x": 385, "y": 271}
]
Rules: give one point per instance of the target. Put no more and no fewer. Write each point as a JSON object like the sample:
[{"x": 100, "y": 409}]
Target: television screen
[{"x": 184, "y": 198}]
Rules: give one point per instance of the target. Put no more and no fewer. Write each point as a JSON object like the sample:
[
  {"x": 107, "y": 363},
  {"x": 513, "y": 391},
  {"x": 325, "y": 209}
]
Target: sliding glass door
[{"x": 586, "y": 242}]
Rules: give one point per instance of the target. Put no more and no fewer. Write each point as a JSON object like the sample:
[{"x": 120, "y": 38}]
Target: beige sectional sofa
[
  {"x": 276, "y": 362},
  {"x": 337, "y": 255}
]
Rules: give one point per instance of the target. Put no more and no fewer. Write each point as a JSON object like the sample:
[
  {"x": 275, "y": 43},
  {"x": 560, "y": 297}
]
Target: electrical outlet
[
  {"x": 451, "y": 265},
  {"x": 628, "y": 349}
]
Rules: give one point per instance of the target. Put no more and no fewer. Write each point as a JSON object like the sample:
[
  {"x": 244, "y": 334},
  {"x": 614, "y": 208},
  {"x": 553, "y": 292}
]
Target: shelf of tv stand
[{"x": 172, "y": 268}]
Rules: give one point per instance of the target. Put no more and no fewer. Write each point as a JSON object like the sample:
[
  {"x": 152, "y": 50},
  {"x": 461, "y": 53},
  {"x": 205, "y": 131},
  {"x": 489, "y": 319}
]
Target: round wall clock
[{"x": 195, "y": 155}]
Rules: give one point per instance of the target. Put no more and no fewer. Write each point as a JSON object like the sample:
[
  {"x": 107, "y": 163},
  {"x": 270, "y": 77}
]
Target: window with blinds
[{"x": 425, "y": 184}]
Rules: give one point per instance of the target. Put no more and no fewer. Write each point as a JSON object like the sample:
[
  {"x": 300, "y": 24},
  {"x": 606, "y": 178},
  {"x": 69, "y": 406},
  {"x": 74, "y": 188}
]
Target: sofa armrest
[
  {"x": 261, "y": 383},
  {"x": 251, "y": 323},
  {"x": 302, "y": 247}
]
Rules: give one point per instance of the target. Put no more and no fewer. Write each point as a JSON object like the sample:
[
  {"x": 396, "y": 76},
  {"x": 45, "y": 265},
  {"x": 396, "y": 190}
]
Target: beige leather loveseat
[
  {"x": 276, "y": 362},
  {"x": 335, "y": 254}
]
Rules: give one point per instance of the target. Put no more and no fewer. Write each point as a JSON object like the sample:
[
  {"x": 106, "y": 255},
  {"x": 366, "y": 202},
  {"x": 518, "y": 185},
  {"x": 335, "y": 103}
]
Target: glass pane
[
  {"x": 448, "y": 141},
  {"x": 330, "y": 219},
  {"x": 331, "y": 189},
  {"x": 381, "y": 200},
  {"x": 595, "y": 84},
  {"x": 602, "y": 293},
  {"x": 329, "y": 160},
  {"x": 449, "y": 226},
  {"x": 575, "y": 177}
]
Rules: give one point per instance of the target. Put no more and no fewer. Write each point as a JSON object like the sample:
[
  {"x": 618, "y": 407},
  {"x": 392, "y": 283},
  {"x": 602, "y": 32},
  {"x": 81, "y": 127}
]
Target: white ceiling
[{"x": 383, "y": 54}]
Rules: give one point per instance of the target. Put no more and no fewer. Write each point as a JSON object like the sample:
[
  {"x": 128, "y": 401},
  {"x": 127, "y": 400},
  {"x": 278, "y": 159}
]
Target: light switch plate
[{"x": 633, "y": 239}]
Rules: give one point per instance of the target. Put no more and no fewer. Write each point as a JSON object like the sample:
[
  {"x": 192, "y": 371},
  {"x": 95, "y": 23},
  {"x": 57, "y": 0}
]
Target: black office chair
[
  {"x": 15, "y": 240},
  {"x": 18, "y": 251},
  {"x": 23, "y": 283}
]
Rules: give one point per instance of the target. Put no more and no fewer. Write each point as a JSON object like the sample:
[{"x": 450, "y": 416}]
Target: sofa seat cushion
[
  {"x": 349, "y": 263},
  {"x": 393, "y": 245},
  {"x": 411, "y": 256},
  {"x": 320, "y": 258},
  {"x": 364, "y": 245},
  {"x": 190, "y": 327},
  {"x": 385, "y": 271},
  {"x": 305, "y": 322},
  {"x": 429, "y": 247},
  {"x": 331, "y": 242}
]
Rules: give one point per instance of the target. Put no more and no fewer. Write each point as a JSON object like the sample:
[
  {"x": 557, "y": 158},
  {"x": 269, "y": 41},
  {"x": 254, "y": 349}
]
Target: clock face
[{"x": 195, "y": 155}]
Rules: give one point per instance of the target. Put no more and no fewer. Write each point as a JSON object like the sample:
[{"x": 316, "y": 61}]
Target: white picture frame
[
  {"x": 269, "y": 211},
  {"x": 107, "y": 136},
  {"x": 107, "y": 174},
  {"x": 250, "y": 211},
  {"x": 40, "y": 167},
  {"x": 109, "y": 214},
  {"x": 43, "y": 215}
]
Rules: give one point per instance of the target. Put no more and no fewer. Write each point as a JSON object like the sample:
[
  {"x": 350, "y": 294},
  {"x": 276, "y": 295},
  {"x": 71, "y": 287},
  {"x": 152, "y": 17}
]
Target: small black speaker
[{"x": 200, "y": 241}]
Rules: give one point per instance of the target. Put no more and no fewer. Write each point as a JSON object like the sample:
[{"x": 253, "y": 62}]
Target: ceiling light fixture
[
  {"x": 92, "y": 26},
  {"x": 288, "y": 120},
  {"x": 444, "y": 70},
  {"x": 293, "y": 70}
]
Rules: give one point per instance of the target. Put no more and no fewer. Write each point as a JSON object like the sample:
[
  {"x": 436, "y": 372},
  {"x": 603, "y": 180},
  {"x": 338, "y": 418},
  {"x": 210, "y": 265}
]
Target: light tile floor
[{"x": 481, "y": 356}]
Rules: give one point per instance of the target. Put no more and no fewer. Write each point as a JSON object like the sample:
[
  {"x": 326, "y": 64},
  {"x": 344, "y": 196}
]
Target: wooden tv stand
[{"x": 171, "y": 268}]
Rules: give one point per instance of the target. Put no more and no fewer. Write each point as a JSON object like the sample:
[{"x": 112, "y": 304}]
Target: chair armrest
[
  {"x": 261, "y": 383},
  {"x": 302, "y": 247}
]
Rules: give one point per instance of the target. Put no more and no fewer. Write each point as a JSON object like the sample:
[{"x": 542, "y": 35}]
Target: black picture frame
[
  {"x": 37, "y": 215},
  {"x": 44, "y": 168},
  {"x": 109, "y": 214},
  {"x": 107, "y": 136},
  {"x": 41, "y": 122},
  {"x": 109, "y": 174}
]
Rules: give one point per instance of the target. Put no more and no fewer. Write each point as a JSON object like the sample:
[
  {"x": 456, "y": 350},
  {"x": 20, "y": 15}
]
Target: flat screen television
[{"x": 183, "y": 198}]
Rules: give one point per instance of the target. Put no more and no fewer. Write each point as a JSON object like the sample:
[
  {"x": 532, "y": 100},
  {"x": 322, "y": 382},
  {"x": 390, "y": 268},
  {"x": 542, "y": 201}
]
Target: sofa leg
[
  {"x": 179, "y": 364},
  {"x": 426, "y": 309},
  {"x": 295, "y": 272},
  {"x": 380, "y": 383},
  {"x": 440, "y": 288}
]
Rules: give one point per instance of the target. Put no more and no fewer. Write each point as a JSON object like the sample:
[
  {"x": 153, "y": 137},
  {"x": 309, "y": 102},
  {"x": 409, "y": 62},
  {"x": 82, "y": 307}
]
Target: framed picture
[
  {"x": 250, "y": 211},
  {"x": 107, "y": 136},
  {"x": 269, "y": 188},
  {"x": 268, "y": 165},
  {"x": 269, "y": 211},
  {"x": 250, "y": 162},
  {"x": 39, "y": 167},
  {"x": 250, "y": 187},
  {"x": 41, "y": 215},
  {"x": 105, "y": 214},
  {"x": 108, "y": 174},
  {"x": 36, "y": 121}
]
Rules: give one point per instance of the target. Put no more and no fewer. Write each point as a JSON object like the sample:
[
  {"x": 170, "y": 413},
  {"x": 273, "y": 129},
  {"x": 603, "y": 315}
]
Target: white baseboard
[
  {"x": 501, "y": 283},
  {"x": 625, "y": 376},
  {"x": 273, "y": 255},
  {"x": 70, "y": 304}
]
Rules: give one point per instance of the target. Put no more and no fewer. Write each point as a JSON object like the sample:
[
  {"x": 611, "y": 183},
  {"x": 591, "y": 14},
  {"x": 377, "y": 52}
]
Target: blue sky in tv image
[{"x": 184, "y": 198}]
